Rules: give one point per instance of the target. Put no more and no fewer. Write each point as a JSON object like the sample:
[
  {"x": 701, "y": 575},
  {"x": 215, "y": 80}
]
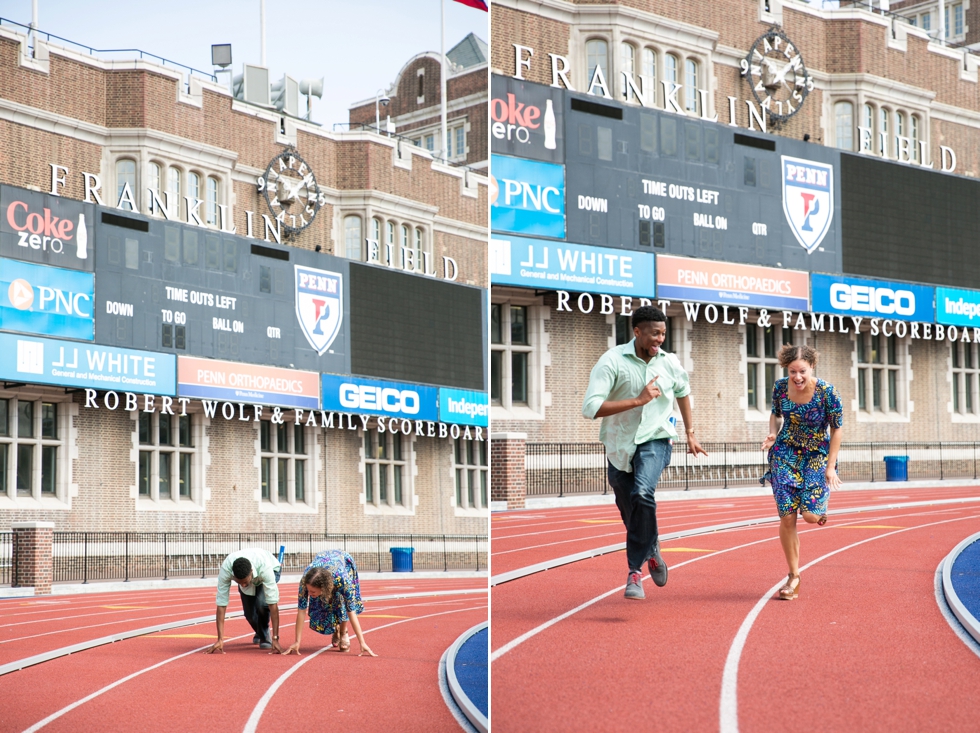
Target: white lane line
[
  {"x": 253, "y": 720},
  {"x": 68, "y": 708},
  {"x": 728, "y": 713},
  {"x": 547, "y": 624}
]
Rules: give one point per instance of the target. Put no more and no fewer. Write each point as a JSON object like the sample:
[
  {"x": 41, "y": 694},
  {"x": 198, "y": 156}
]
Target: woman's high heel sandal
[
  {"x": 822, "y": 521},
  {"x": 344, "y": 643},
  {"x": 790, "y": 589}
]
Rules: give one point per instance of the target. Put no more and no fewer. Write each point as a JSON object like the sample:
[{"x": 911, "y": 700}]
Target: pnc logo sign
[
  {"x": 46, "y": 300},
  {"x": 527, "y": 196}
]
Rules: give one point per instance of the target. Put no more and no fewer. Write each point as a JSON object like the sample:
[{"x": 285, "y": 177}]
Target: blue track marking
[
  {"x": 965, "y": 575},
  {"x": 472, "y": 669}
]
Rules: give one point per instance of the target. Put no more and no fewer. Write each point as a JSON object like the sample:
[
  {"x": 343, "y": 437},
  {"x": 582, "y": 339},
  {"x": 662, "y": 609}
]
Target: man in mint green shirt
[
  {"x": 256, "y": 572},
  {"x": 632, "y": 388}
]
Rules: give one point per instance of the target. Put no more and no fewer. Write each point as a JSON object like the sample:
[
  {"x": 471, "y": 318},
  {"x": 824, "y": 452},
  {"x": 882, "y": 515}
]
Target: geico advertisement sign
[
  {"x": 527, "y": 197},
  {"x": 394, "y": 399},
  {"x": 45, "y": 229},
  {"x": 898, "y": 301},
  {"x": 46, "y": 300},
  {"x": 464, "y": 407}
]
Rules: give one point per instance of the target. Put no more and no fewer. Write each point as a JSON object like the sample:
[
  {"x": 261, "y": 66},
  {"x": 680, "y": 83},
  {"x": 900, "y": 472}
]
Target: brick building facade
[
  {"x": 881, "y": 88},
  {"x": 415, "y": 105},
  {"x": 66, "y": 118}
]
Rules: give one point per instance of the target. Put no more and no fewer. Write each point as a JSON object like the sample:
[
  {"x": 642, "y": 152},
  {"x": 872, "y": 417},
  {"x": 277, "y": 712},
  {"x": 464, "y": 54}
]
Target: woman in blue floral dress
[
  {"x": 803, "y": 458},
  {"x": 331, "y": 594}
]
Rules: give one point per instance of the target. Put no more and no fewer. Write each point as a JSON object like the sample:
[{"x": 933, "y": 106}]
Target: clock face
[
  {"x": 777, "y": 74},
  {"x": 291, "y": 192}
]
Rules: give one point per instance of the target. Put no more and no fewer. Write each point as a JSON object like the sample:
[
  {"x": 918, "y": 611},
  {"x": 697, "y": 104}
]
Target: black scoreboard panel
[
  {"x": 902, "y": 222},
  {"x": 416, "y": 329},
  {"x": 181, "y": 289},
  {"x": 620, "y": 158}
]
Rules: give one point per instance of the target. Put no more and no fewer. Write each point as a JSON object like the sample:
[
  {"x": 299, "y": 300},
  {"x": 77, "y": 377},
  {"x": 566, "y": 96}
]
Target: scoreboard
[
  {"x": 659, "y": 182},
  {"x": 178, "y": 288}
]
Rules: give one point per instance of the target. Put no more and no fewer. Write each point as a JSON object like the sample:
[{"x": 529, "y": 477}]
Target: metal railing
[
  {"x": 6, "y": 558},
  {"x": 92, "y": 51},
  {"x": 563, "y": 469},
  {"x": 89, "y": 556}
]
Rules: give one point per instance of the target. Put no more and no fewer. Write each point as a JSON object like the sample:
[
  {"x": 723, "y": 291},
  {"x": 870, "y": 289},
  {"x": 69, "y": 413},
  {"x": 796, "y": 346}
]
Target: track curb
[
  {"x": 970, "y": 623},
  {"x": 470, "y": 710}
]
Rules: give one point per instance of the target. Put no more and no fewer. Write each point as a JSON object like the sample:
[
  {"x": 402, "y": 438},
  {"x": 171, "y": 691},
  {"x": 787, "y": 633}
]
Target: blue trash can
[
  {"x": 401, "y": 559},
  {"x": 896, "y": 468}
]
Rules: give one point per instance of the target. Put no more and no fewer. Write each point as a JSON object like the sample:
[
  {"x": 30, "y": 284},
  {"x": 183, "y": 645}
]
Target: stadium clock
[
  {"x": 291, "y": 191},
  {"x": 775, "y": 70}
]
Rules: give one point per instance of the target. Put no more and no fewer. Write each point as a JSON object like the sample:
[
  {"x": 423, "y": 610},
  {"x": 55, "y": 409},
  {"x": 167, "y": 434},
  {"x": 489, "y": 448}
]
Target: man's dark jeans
[
  {"x": 635, "y": 498},
  {"x": 257, "y": 612}
]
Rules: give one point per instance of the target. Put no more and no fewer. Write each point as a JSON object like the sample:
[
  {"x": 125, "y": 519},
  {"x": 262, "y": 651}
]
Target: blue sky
[{"x": 358, "y": 45}]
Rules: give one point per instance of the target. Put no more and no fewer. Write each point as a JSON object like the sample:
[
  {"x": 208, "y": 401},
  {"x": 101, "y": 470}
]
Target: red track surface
[
  {"x": 865, "y": 646},
  {"x": 190, "y": 691}
]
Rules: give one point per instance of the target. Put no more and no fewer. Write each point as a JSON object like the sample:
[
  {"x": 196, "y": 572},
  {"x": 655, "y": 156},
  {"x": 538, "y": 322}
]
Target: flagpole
[{"x": 445, "y": 139}]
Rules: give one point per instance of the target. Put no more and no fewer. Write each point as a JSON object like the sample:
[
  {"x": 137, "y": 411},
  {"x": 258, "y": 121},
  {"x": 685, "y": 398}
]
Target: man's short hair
[
  {"x": 241, "y": 568},
  {"x": 648, "y": 313}
]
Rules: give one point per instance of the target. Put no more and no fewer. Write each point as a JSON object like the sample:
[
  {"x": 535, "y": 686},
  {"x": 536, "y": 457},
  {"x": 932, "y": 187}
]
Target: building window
[
  {"x": 420, "y": 240},
  {"x": 595, "y": 53},
  {"x": 844, "y": 125},
  {"x": 386, "y": 474},
  {"x": 966, "y": 378},
  {"x": 650, "y": 74},
  {"x": 405, "y": 236},
  {"x": 376, "y": 230},
  {"x": 284, "y": 463},
  {"x": 762, "y": 346},
  {"x": 30, "y": 442},
  {"x": 390, "y": 240},
  {"x": 927, "y": 21},
  {"x": 899, "y": 130},
  {"x": 166, "y": 457},
  {"x": 914, "y": 125},
  {"x": 627, "y": 63},
  {"x": 125, "y": 174},
  {"x": 212, "y": 201},
  {"x": 471, "y": 474},
  {"x": 883, "y": 130},
  {"x": 430, "y": 143},
  {"x": 173, "y": 188},
  {"x": 670, "y": 68},
  {"x": 193, "y": 186},
  {"x": 691, "y": 85},
  {"x": 878, "y": 373},
  {"x": 958, "y": 20},
  {"x": 352, "y": 237},
  {"x": 421, "y": 89},
  {"x": 153, "y": 178},
  {"x": 461, "y": 141},
  {"x": 510, "y": 352}
]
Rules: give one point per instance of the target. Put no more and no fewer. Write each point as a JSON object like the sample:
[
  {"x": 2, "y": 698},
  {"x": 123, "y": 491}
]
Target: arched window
[
  {"x": 691, "y": 85},
  {"x": 650, "y": 72},
  {"x": 844, "y": 125},
  {"x": 376, "y": 230},
  {"x": 406, "y": 242},
  {"x": 194, "y": 185},
  {"x": 914, "y": 124},
  {"x": 419, "y": 239},
  {"x": 883, "y": 130},
  {"x": 212, "y": 201},
  {"x": 596, "y": 54},
  {"x": 173, "y": 188},
  {"x": 352, "y": 237},
  {"x": 153, "y": 178},
  {"x": 125, "y": 173},
  {"x": 868, "y": 122},
  {"x": 627, "y": 62},
  {"x": 670, "y": 68},
  {"x": 899, "y": 129}
]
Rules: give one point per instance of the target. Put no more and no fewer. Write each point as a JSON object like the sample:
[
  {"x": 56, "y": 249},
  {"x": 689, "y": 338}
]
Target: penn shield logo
[
  {"x": 319, "y": 305},
  {"x": 808, "y": 200}
]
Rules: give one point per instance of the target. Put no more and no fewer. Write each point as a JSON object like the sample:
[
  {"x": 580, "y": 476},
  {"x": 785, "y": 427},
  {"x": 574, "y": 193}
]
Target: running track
[
  {"x": 161, "y": 681},
  {"x": 865, "y": 647}
]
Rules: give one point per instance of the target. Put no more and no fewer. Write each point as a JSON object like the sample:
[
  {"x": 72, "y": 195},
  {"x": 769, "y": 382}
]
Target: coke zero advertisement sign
[
  {"x": 46, "y": 230},
  {"x": 526, "y": 120}
]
